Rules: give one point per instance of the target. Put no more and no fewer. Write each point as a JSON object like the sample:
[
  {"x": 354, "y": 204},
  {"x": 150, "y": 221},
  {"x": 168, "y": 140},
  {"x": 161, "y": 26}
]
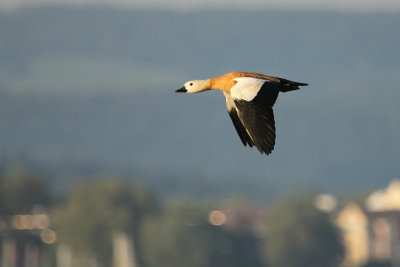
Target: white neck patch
[{"x": 246, "y": 88}]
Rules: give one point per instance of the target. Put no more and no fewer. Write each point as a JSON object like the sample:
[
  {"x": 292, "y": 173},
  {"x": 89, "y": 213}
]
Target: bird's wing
[
  {"x": 250, "y": 105},
  {"x": 240, "y": 129},
  {"x": 253, "y": 100},
  {"x": 258, "y": 120},
  {"x": 263, "y": 92}
]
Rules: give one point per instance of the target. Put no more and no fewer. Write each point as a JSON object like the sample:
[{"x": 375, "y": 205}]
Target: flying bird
[{"x": 249, "y": 99}]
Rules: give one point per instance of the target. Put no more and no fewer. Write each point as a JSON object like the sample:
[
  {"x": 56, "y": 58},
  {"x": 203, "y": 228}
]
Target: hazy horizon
[{"x": 370, "y": 6}]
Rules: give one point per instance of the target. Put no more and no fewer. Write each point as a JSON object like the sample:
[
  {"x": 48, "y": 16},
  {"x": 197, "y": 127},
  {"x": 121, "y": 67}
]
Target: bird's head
[{"x": 195, "y": 86}]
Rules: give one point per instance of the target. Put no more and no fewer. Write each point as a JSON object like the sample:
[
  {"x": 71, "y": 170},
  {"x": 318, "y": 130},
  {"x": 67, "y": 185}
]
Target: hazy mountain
[{"x": 97, "y": 86}]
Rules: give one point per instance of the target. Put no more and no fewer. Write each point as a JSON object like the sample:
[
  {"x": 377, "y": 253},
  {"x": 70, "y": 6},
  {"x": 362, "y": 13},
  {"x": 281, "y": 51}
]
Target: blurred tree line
[{"x": 88, "y": 218}]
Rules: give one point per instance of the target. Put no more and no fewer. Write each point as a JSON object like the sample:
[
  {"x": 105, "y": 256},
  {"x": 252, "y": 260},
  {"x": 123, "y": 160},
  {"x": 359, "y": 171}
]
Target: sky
[{"x": 342, "y": 5}]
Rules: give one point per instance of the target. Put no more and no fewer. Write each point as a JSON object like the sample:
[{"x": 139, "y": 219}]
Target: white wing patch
[
  {"x": 229, "y": 102},
  {"x": 246, "y": 88}
]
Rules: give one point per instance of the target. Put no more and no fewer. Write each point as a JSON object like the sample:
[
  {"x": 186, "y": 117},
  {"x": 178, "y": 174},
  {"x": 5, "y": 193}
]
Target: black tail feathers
[{"x": 290, "y": 86}]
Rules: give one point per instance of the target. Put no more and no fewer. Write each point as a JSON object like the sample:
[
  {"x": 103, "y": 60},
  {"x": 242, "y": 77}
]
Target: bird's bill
[{"x": 181, "y": 90}]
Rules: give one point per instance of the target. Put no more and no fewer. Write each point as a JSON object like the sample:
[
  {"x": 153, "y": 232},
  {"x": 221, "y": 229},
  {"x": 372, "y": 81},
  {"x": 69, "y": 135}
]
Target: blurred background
[{"x": 102, "y": 164}]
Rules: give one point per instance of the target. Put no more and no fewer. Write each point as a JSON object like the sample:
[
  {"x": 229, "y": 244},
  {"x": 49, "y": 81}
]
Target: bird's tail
[{"x": 290, "y": 85}]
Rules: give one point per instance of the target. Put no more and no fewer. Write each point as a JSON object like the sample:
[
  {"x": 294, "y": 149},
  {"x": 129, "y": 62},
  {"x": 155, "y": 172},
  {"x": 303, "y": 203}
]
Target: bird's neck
[
  {"x": 203, "y": 85},
  {"x": 223, "y": 83}
]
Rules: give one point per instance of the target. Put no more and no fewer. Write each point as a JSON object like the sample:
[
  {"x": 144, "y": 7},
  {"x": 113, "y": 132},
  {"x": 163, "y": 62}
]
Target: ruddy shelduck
[{"x": 249, "y": 99}]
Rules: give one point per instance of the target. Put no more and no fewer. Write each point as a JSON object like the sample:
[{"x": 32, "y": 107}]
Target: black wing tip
[
  {"x": 240, "y": 129},
  {"x": 266, "y": 148},
  {"x": 267, "y": 152}
]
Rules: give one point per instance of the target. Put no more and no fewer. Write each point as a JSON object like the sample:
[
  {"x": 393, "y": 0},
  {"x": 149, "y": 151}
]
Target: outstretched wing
[
  {"x": 250, "y": 105},
  {"x": 250, "y": 108},
  {"x": 232, "y": 110},
  {"x": 258, "y": 120}
]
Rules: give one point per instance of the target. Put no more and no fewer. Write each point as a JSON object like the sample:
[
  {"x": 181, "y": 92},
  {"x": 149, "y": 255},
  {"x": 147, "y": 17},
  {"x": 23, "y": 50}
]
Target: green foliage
[
  {"x": 300, "y": 235},
  {"x": 21, "y": 191},
  {"x": 182, "y": 236},
  {"x": 95, "y": 210}
]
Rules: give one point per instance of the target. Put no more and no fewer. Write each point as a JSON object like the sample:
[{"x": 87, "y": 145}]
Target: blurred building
[
  {"x": 25, "y": 239},
  {"x": 372, "y": 232}
]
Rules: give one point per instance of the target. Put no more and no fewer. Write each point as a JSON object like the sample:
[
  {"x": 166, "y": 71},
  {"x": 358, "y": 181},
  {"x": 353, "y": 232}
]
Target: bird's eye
[{"x": 191, "y": 84}]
